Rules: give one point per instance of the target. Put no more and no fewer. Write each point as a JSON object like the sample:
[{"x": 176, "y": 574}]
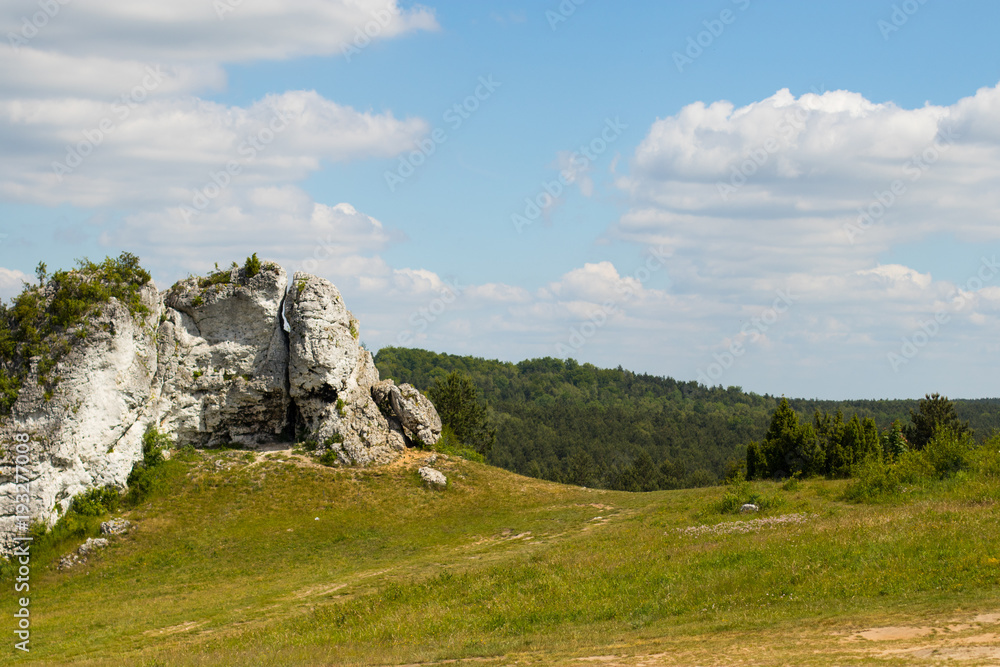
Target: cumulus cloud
[
  {"x": 818, "y": 163},
  {"x": 298, "y": 232},
  {"x": 819, "y": 184},
  {"x": 805, "y": 194}
]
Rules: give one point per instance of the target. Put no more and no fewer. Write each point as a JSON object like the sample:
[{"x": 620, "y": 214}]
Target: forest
[{"x": 575, "y": 423}]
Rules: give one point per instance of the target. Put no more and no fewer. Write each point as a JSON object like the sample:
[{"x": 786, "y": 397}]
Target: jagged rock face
[
  {"x": 330, "y": 377},
  {"x": 222, "y": 360},
  {"x": 89, "y": 432},
  {"x": 416, "y": 414}
]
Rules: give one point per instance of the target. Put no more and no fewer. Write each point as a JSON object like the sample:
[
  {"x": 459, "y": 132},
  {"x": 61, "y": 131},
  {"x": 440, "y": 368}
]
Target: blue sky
[{"x": 713, "y": 232}]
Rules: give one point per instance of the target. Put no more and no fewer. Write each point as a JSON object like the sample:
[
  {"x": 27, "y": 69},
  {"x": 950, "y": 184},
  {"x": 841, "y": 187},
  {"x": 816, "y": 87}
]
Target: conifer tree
[
  {"x": 934, "y": 412},
  {"x": 781, "y": 440},
  {"x": 457, "y": 402}
]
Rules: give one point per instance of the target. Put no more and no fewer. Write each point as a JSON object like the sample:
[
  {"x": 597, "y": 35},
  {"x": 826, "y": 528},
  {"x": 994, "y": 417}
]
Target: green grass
[{"x": 229, "y": 565}]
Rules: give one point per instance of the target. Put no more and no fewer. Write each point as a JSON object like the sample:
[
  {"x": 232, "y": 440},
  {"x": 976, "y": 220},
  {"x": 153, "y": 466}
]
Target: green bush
[
  {"x": 329, "y": 458},
  {"x": 949, "y": 451},
  {"x": 449, "y": 444},
  {"x": 96, "y": 502},
  {"x": 792, "y": 483},
  {"x": 873, "y": 481},
  {"x": 223, "y": 277},
  {"x": 144, "y": 478},
  {"x": 912, "y": 467},
  {"x": 985, "y": 461}
]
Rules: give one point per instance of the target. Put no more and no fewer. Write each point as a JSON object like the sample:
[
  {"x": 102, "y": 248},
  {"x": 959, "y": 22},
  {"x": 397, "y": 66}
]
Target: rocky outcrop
[
  {"x": 222, "y": 359},
  {"x": 228, "y": 358},
  {"x": 414, "y": 411},
  {"x": 330, "y": 377},
  {"x": 88, "y": 432}
]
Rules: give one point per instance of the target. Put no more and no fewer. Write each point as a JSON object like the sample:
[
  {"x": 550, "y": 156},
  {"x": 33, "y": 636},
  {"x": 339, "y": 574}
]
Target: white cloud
[
  {"x": 163, "y": 151},
  {"x": 807, "y": 165},
  {"x": 222, "y": 31},
  {"x": 284, "y": 224},
  {"x": 98, "y": 103},
  {"x": 11, "y": 282},
  {"x": 769, "y": 196},
  {"x": 38, "y": 74}
]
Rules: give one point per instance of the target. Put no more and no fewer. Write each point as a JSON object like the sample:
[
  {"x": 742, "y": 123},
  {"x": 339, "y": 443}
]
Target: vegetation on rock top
[{"x": 40, "y": 321}]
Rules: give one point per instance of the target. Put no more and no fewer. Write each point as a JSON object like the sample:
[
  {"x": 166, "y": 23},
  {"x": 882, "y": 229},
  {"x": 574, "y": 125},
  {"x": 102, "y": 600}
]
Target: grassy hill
[
  {"x": 243, "y": 558},
  {"x": 564, "y": 421}
]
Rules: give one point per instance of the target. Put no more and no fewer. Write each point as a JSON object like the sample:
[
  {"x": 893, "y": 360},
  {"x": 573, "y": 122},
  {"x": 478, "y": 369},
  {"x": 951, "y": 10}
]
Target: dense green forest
[{"x": 612, "y": 428}]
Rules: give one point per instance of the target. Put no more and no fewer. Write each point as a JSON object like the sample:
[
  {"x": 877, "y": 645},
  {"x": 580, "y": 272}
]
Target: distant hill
[{"x": 613, "y": 428}]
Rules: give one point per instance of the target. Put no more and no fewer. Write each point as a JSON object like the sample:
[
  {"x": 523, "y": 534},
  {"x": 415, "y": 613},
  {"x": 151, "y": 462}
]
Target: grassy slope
[{"x": 230, "y": 566}]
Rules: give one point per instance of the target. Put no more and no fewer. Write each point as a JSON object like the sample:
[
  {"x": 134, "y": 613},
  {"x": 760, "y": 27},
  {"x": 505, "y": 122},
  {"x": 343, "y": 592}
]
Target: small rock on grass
[
  {"x": 115, "y": 527},
  {"x": 432, "y": 477},
  {"x": 80, "y": 555}
]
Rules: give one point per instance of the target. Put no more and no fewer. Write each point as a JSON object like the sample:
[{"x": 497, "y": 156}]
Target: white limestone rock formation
[
  {"x": 88, "y": 432},
  {"x": 330, "y": 377},
  {"x": 415, "y": 413},
  {"x": 228, "y": 358},
  {"x": 223, "y": 358}
]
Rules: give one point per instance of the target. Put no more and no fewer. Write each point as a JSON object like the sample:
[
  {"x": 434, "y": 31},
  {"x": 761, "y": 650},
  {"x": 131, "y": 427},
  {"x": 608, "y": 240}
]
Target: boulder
[
  {"x": 432, "y": 477},
  {"x": 92, "y": 544},
  {"x": 222, "y": 359},
  {"x": 415, "y": 413}
]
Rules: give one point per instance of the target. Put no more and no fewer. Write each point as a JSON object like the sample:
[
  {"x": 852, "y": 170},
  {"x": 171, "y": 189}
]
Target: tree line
[
  {"x": 830, "y": 446},
  {"x": 575, "y": 423}
]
